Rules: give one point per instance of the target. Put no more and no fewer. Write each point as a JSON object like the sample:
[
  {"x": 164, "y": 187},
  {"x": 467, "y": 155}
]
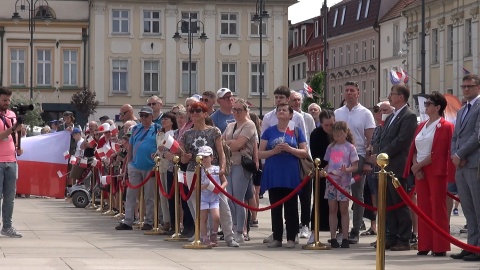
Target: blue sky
[{"x": 306, "y": 9}]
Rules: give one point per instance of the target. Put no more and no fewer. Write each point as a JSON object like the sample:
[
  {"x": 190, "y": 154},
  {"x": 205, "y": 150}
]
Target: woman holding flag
[{"x": 280, "y": 145}]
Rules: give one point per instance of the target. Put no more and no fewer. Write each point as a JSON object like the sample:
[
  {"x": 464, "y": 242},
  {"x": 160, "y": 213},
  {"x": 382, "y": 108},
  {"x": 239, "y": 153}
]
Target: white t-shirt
[
  {"x": 358, "y": 120},
  {"x": 78, "y": 150}
]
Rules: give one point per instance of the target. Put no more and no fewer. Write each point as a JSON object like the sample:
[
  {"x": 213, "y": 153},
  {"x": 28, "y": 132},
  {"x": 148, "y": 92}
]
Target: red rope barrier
[
  {"x": 162, "y": 190},
  {"x": 129, "y": 185},
  {"x": 362, "y": 204},
  {"x": 190, "y": 192},
  {"x": 295, "y": 191},
  {"x": 434, "y": 226},
  {"x": 453, "y": 196}
]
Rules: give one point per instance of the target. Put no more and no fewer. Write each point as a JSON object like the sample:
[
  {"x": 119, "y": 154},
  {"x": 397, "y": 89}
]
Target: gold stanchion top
[
  {"x": 382, "y": 160},
  {"x": 176, "y": 159},
  {"x": 199, "y": 159},
  {"x": 317, "y": 162}
]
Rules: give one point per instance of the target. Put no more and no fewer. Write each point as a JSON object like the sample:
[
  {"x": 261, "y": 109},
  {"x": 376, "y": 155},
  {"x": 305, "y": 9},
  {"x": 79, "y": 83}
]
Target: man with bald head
[{"x": 126, "y": 113}]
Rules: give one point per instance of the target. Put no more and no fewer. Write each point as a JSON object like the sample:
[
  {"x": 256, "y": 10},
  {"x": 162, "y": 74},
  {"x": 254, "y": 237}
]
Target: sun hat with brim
[{"x": 105, "y": 127}]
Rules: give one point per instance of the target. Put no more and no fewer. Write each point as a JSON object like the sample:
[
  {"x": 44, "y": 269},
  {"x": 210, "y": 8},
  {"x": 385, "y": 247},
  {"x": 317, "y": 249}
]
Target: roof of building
[
  {"x": 347, "y": 12},
  {"x": 396, "y": 10}
]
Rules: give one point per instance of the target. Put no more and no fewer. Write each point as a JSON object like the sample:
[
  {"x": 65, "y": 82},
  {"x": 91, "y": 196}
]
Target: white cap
[
  {"x": 222, "y": 91},
  {"x": 205, "y": 151}
]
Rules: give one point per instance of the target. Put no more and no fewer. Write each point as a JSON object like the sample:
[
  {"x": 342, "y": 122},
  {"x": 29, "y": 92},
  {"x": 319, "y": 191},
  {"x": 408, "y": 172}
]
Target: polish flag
[
  {"x": 116, "y": 147},
  {"x": 185, "y": 178},
  {"x": 113, "y": 130},
  {"x": 96, "y": 163},
  {"x": 213, "y": 188},
  {"x": 100, "y": 153},
  {"x": 290, "y": 128},
  {"x": 106, "y": 180},
  {"x": 66, "y": 155},
  {"x": 307, "y": 88},
  {"x": 83, "y": 163},
  {"x": 43, "y": 153},
  {"x": 107, "y": 150},
  {"x": 171, "y": 144},
  {"x": 73, "y": 160},
  {"x": 91, "y": 142}
]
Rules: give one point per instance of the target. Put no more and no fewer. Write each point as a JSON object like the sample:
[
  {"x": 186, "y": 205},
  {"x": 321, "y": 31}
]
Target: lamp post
[
  {"x": 43, "y": 14},
  {"x": 325, "y": 53},
  {"x": 186, "y": 27},
  {"x": 260, "y": 15}
]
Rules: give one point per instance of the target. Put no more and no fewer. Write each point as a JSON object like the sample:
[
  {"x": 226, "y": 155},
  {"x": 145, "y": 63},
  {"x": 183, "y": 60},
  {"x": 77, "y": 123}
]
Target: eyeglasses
[
  {"x": 123, "y": 113},
  {"x": 237, "y": 110},
  {"x": 468, "y": 86},
  {"x": 152, "y": 104},
  {"x": 192, "y": 111},
  {"x": 144, "y": 115},
  {"x": 428, "y": 103}
]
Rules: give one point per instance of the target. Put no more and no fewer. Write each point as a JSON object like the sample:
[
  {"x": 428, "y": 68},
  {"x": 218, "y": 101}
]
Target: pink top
[{"x": 7, "y": 146}]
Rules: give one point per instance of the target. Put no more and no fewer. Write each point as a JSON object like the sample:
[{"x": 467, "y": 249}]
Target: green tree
[
  {"x": 33, "y": 117},
  {"x": 85, "y": 102}
]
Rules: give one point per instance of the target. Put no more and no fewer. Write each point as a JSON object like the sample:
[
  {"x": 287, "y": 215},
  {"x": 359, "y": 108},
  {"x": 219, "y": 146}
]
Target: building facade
[
  {"x": 452, "y": 45},
  {"x": 134, "y": 55},
  {"x": 59, "y": 58}
]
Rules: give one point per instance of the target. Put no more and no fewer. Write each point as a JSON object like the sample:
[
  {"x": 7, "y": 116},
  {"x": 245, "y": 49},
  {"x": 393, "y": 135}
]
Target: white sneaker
[
  {"x": 311, "y": 240},
  {"x": 339, "y": 237},
  {"x": 268, "y": 239},
  {"x": 239, "y": 238},
  {"x": 296, "y": 239},
  {"x": 304, "y": 232}
]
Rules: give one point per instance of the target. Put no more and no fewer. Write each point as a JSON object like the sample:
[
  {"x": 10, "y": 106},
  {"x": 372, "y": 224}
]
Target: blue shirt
[
  {"x": 158, "y": 121},
  {"x": 221, "y": 120},
  {"x": 144, "y": 144}
]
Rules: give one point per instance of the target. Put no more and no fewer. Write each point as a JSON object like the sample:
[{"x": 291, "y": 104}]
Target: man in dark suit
[
  {"x": 395, "y": 139},
  {"x": 465, "y": 150}
]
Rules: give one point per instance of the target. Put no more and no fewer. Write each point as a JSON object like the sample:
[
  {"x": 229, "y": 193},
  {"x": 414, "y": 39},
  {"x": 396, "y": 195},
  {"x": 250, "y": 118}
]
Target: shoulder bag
[{"x": 306, "y": 164}]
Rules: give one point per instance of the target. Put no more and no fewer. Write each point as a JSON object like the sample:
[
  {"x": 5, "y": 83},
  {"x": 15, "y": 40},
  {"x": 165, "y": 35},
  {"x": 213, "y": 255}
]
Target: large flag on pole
[{"x": 42, "y": 158}]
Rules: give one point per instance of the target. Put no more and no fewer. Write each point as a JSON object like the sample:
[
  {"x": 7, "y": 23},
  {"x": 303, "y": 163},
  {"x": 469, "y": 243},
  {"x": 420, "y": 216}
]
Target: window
[
  {"x": 304, "y": 70},
  {"x": 396, "y": 39},
  {"x": 185, "y": 22},
  {"x": 119, "y": 76},
  {"x": 385, "y": 81},
  {"x": 255, "y": 29},
  {"x": 229, "y": 76},
  {"x": 316, "y": 28},
  {"x": 359, "y": 9},
  {"x": 468, "y": 37},
  {"x": 293, "y": 73},
  {"x": 343, "y": 15},
  {"x": 372, "y": 47},
  {"x": 151, "y": 76},
  {"x": 295, "y": 38},
  {"x": 120, "y": 21},
  {"x": 367, "y": 6},
  {"x": 334, "y": 58},
  {"x": 355, "y": 52},
  {"x": 228, "y": 24},
  {"x": 363, "y": 91},
  {"x": 364, "y": 51},
  {"x": 340, "y": 58},
  {"x": 17, "y": 67},
  {"x": 335, "y": 18},
  {"x": 334, "y": 99},
  {"x": 303, "y": 36},
  {"x": 44, "y": 67},
  {"x": 298, "y": 71},
  {"x": 70, "y": 67},
  {"x": 151, "y": 22},
  {"x": 255, "y": 77},
  {"x": 435, "y": 45},
  {"x": 347, "y": 59},
  {"x": 340, "y": 94},
  {"x": 186, "y": 78},
  {"x": 449, "y": 42},
  {"x": 374, "y": 99}
]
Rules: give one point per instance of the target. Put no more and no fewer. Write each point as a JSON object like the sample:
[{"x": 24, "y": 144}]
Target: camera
[{"x": 20, "y": 110}]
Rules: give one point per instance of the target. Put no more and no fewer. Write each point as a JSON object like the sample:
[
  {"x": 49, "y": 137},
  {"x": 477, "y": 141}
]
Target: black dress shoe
[
  {"x": 460, "y": 255},
  {"x": 400, "y": 247},
  {"x": 472, "y": 257},
  {"x": 147, "y": 227},
  {"x": 439, "y": 254},
  {"x": 423, "y": 253}
]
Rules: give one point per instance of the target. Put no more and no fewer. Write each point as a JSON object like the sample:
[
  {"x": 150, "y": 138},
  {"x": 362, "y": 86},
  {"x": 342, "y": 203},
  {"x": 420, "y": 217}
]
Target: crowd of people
[{"x": 432, "y": 157}]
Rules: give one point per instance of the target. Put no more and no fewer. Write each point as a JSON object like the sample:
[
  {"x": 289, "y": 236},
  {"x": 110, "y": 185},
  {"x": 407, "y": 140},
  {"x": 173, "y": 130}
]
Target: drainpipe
[
  {"x": 84, "y": 39},
  {"x": 2, "y": 33},
  {"x": 376, "y": 27}
]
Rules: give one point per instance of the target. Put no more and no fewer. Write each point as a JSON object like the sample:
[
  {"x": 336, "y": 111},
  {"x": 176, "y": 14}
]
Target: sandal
[
  {"x": 246, "y": 237},
  {"x": 368, "y": 232}
]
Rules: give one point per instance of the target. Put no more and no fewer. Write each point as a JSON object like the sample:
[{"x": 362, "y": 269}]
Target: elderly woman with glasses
[
  {"x": 429, "y": 160},
  {"x": 241, "y": 136}
]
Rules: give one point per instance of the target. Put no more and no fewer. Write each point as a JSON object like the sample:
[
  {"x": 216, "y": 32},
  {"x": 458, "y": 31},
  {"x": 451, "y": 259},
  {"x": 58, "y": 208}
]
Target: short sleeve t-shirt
[
  {"x": 247, "y": 130},
  {"x": 144, "y": 144},
  {"x": 207, "y": 195},
  {"x": 193, "y": 139},
  {"x": 7, "y": 146},
  {"x": 338, "y": 155},
  {"x": 78, "y": 150},
  {"x": 221, "y": 120}
]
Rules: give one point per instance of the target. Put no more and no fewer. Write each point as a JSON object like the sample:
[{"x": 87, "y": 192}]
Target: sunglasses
[
  {"x": 237, "y": 110},
  {"x": 428, "y": 103},
  {"x": 152, "y": 104},
  {"x": 123, "y": 113},
  {"x": 192, "y": 111},
  {"x": 144, "y": 115}
]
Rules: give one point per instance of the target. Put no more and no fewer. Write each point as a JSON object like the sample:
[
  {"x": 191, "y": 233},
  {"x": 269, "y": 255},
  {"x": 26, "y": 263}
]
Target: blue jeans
[{"x": 8, "y": 187}]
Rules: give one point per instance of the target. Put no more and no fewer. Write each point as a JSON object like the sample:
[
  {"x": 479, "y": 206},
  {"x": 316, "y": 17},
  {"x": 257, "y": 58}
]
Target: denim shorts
[
  {"x": 372, "y": 182},
  {"x": 452, "y": 188}
]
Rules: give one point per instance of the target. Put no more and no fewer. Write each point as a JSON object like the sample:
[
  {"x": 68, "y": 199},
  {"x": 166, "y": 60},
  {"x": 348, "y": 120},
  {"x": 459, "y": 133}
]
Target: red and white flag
[
  {"x": 290, "y": 128},
  {"x": 108, "y": 150},
  {"x": 171, "y": 144},
  {"x": 100, "y": 152},
  {"x": 83, "y": 163},
  {"x": 116, "y": 147},
  {"x": 91, "y": 142},
  {"x": 113, "y": 130},
  {"x": 66, "y": 155},
  {"x": 185, "y": 178},
  {"x": 213, "y": 188},
  {"x": 106, "y": 180},
  {"x": 96, "y": 163},
  {"x": 307, "y": 88},
  {"x": 73, "y": 160}
]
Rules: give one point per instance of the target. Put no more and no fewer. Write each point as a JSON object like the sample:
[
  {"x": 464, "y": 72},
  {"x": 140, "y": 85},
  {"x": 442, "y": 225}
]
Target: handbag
[
  {"x": 248, "y": 164},
  {"x": 306, "y": 164}
]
